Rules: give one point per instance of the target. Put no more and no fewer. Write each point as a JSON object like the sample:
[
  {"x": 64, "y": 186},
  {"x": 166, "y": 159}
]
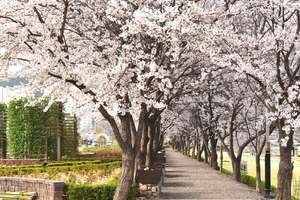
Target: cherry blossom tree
[
  {"x": 261, "y": 39},
  {"x": 226, "y": 106},
  {"x": 125, "y": 59}
]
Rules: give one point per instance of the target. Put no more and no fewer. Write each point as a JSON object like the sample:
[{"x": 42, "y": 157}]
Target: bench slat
[{"x": 18, "y": 195}]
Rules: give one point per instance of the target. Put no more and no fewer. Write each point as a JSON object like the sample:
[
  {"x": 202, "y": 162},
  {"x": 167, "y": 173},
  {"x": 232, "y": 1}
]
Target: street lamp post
[{"x": 268, "y": 193}]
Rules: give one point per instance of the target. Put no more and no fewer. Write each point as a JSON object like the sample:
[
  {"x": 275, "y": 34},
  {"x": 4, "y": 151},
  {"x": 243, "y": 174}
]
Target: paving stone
[{"x": 186, "y": 178}]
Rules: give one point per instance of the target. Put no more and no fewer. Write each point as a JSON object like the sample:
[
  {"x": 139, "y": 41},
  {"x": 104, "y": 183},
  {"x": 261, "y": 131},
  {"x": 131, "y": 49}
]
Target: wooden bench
[
  {"x": 160, "y": 154},
  {"x": 18, "y": 195},
  {"x": 152, "y": 176},
  {"x": 160, "y": 160}
]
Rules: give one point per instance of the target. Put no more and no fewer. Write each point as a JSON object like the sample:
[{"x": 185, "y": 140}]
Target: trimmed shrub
[
  {"x": 97, "y": 168},
  {"x": 273, "y": 188},
  {"x": 89, "y": 192},
  {"x": 95, "y": 192},
  {"x": 250, "y": 180}
]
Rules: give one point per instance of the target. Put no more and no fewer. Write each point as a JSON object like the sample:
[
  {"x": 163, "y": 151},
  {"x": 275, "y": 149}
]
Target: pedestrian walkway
[{"x": 186, "y": 178}]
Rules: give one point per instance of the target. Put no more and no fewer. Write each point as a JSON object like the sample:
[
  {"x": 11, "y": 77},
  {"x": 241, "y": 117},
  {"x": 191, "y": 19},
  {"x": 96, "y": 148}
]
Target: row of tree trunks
[{"x": 132, "y": 141}]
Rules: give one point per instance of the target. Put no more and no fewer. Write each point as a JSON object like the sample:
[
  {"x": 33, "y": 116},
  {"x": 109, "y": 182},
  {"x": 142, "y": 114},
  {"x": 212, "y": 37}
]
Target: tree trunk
[
  {"x": 214, "y": 159},
  {"x": 193, "y": 150},
  {"x": 188, "y": 147},
  {"x": 156, "y": 143},
  {"x": 198, "y": 151},
  {"x": 199, "y": 156},
  {"x": 161, "y": 140},
  {"x": 205, "y": 156},
  {"x": 155, "y": 140},
  {"x": 182, "y": 145},
  {"x": 143, "y": 149},
  {"x": 150, "y": 153},
  {"x": 221, "y": 158},
  {"x": 258, "y": 172},
  {"x": 213, "y": 154},
  {"x": 285, "y": 172},
  {"x": 236, "y": 168},
  {"x": 258, "y": 169},
  {"x": 204, "y": 148},
  {"x": 126, "y": 180},
  {"x": 140, "y": 159},
  {"x": 129, "y": 141}
]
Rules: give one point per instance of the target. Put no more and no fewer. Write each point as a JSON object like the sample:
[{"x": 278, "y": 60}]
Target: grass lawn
[{"x": 274, "y": 169}]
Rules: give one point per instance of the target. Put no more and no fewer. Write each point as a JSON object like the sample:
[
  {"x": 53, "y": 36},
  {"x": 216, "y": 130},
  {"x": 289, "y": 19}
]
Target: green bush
[
  {"x": 95, "y": 192},
  {"x": 89, "y": 192},
  {"x": 250, "y": 180},
  {"x": 273, "y": 188},
  {"x": 225, "y": 171},
  {"x": 103, "y": 164},
  {"x": 79, "y": 162}
]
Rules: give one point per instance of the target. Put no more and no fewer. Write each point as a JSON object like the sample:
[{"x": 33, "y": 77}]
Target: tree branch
[
  {"x": 62, "y": 29},
  {"x": 39, "y": 15}
]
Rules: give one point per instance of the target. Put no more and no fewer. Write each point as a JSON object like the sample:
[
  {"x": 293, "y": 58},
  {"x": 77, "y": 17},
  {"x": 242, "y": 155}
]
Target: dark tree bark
[
  {"x": 194, "y": 149},
  {"x": 257, "y": 167},
  {"x": 150, "y": 153},
  {"x": 205, "y": 155},
  {"x": 213, "y": 153},
  {"x": 199, "y": 150},
  {"x": 221, "y": 158},
  {"x": 187, "y": 146},
  {"x": 128, "y": 170},
  {"x": 129, "y": 142},
  {"x": 157, "y": 134},
  {"x": 236, "y": 167},
  {"x": 141, "y": 158},
  {"x": 285, "y": 171}
]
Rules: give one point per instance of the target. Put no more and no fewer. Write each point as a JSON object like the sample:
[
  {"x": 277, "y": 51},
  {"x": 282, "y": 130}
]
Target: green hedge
[
  {"x": 91, "y": 161},
  {"x": 78, "y": 191},
  {"x": 25, "y": 170},
  {"x": 107, "y": 164},
  {"x": 95, "y": 192},
  {"x": 250, "y": 180}
]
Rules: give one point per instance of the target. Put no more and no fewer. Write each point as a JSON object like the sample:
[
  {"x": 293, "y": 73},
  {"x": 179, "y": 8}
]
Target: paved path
[{"x": 186, "y": 178}]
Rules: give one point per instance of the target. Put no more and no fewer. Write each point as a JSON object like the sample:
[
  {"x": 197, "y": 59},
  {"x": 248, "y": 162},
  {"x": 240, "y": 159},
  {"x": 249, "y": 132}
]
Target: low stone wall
[
  {"x": 46, "y": 189},
  {"x": 149, "y": 190}
]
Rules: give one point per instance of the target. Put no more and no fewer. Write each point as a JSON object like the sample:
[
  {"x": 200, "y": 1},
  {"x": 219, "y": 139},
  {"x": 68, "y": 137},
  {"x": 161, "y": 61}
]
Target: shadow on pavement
[
  {"x": 178, "y": 184},
  {"x": 182, "y": 195}
]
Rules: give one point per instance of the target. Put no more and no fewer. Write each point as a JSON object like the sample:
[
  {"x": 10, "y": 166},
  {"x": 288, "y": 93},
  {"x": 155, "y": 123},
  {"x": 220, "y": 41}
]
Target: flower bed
[
  {"x": 77, "y": 178},
  {"x": 77, "y": 172}
]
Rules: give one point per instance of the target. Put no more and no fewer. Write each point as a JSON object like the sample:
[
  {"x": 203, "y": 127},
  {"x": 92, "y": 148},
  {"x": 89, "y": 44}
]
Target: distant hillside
[{"x": 13, "y": 82}]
